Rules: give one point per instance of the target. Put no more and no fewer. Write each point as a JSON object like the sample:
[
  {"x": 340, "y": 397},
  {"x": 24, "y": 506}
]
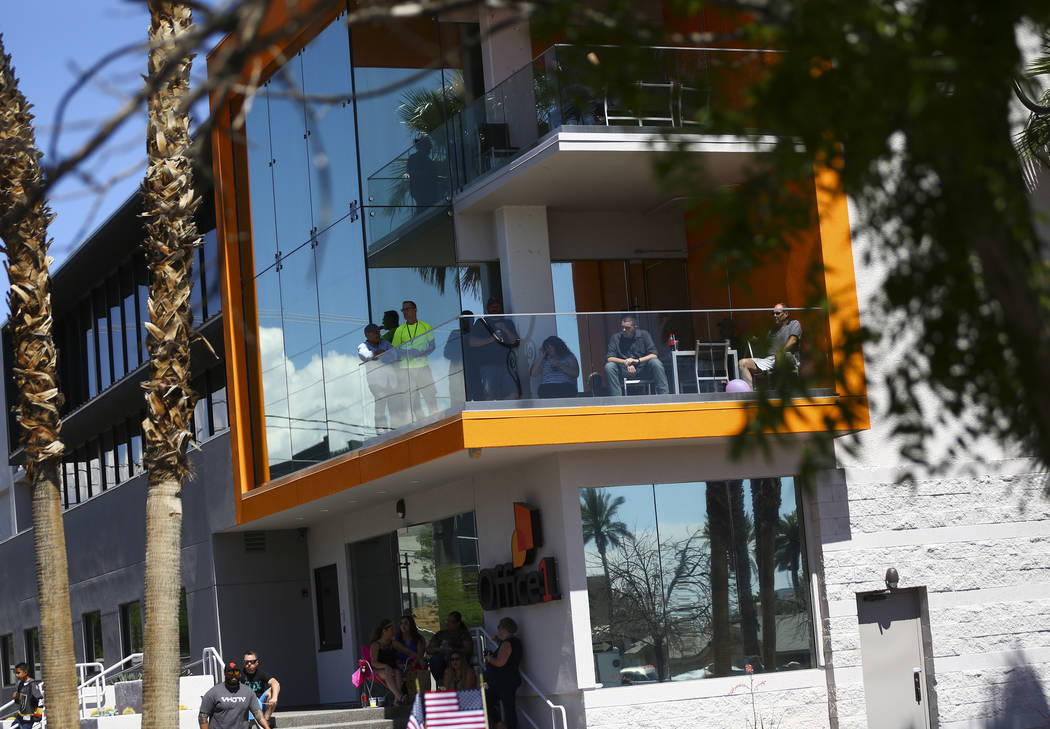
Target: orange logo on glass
[{"x": 527, "y": 537}]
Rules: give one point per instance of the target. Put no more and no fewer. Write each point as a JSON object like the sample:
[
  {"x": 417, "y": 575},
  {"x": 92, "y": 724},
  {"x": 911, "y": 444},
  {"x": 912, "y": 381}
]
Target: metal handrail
[
  {"x": 211, "y": 660},
  {"x": 481, "y": 634}
]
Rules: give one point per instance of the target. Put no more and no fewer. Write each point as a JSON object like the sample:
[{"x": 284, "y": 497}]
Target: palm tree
[
  {"x": 600, "y": 524},
  {"x": 36, "y": 379},
  {"x": 1033, "y": 142},
  {"x": 171, "y": 242},
  {"x": 718, "y": 520},
  {"x": 787, "y": 553}
]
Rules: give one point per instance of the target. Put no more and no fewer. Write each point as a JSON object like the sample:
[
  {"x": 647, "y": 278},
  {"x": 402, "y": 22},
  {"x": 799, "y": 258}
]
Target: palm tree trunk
[
  {"x": 171, "y": 240},
  {"x": 36, "y": 378},
  {"x": 765, "y": 498}
]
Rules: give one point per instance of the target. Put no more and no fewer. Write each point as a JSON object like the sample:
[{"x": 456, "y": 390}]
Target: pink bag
[{"x": 356, "y": 678}]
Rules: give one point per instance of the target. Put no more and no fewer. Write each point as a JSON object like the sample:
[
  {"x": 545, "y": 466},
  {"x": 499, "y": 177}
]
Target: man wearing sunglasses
[
  {"x": 229, "y": 704},
  {"x": 264, "y": 685},
  {"x": 632, "y": 355},
  {"x": 784, "y": 339}
]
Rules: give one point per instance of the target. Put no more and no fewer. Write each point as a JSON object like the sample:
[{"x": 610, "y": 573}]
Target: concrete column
[
  {"x": 523, "y": 246},
  {"x": 505, "y": 43}
]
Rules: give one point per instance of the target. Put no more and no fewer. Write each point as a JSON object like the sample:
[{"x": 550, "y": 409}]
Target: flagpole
[{"x": 484, "y": 699}]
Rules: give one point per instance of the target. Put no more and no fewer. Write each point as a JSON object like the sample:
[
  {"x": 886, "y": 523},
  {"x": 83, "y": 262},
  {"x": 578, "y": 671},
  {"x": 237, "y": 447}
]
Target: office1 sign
[{"x": 516, "y": 582}]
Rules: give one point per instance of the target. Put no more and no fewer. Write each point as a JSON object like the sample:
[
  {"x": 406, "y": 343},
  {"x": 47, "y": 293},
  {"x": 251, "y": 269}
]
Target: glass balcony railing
[
  {"x": 541, "y": 360},
  {"x": 567, "y": 86}
]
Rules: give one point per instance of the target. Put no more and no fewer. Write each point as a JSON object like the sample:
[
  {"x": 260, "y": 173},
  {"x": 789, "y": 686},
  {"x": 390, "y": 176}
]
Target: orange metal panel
[{"x": 839, "y": 278}]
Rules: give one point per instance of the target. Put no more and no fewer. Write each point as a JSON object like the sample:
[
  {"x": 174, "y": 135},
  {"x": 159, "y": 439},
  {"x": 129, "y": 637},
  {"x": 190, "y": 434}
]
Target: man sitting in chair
[
  {"x": 632, "y": 356},
  {"x": 784, "y": 339}
]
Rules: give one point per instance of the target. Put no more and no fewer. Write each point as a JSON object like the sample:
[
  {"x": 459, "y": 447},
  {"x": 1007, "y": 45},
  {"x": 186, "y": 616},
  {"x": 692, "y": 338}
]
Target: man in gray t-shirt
[
  {"x": 784, "y": 339},
  {"x": 228, "y": 704}
]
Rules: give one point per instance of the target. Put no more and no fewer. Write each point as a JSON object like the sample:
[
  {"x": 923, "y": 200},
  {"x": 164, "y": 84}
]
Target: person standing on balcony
[
  {"x": 414, "y": 340},
  {"x": 424, "y": 183},
  {"x": 265, "y": 686},
  {"x": 784, "y": 339},
  {"x": 29, "y": 698},
  {"x": 632, "y": 355},
  {"x": 381, "y": 374},
  {"x": 389, "y": 325},
  {"x": 493, "y": 339}
]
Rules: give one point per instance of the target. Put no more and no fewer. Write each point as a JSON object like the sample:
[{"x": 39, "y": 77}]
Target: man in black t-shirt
[
  {"x": 264, "y": 685},
  {"x": 492, "y": 340}
]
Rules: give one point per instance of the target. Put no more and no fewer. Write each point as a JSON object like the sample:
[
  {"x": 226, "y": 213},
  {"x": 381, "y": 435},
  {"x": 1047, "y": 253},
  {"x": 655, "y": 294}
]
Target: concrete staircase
[{"x": 382, "y": 717}]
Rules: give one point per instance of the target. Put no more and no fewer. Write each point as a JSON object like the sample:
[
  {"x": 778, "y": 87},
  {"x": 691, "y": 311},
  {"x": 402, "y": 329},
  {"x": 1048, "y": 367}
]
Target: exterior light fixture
[
  {"x": 400, "y": 508},
  {"x": 892, "y": 579}
]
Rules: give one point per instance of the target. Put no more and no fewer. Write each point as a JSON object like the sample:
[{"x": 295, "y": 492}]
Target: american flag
[
  {"x": 454, "y": 710},
  {"x": 415, "y": 719}
]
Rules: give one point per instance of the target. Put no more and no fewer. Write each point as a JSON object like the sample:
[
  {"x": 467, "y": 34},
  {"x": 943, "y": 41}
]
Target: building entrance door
[
  {"x": 894, "y": 670},
  {"x": 376, "y": 589}
]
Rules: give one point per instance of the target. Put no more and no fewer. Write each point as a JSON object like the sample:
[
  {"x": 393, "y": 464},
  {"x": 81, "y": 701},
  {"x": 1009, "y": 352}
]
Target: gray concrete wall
[
  {"x": 105, "y": 540},
  {"x": 264, "y": 605}
]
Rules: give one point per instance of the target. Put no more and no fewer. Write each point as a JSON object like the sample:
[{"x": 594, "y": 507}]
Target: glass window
[
  {"x": 220, "y": 417},
  {"x": 184, "y": 626},
  {"x": 131, "y": 628},
  {"x": 439, "y": 570},
  {"x": 33, "y": 657},
  {"x": 120, "y": 437},
  {"x": 273, "y": 369},
  {"x": 92, "y": 623},
  {"x": 116, "y": 326},
  {"x": 291, "y": 179},
  {"x": 90, "y": 356},
  {"x": 94, "y": 484},
  {"x": 326, "y": 592},
  {"x": 81, "y": 486},
  {"x": 109, "y": 463},
  {"x": 7, "y": 659},
  {"x": 135, "y": 429},
  {"x": 302, "y": 346},
  {"x": 142, "y": 287},
  {"x": 695, "y": 580},
  {"x": 260, "y": 180},
  {"x": 131, "y": 317},
  {"x": 210, "y": 278},
  {"x": 197, "y": 288},
  {"x": 331, "y": 137},
  {"x": 101, "y": 310}
]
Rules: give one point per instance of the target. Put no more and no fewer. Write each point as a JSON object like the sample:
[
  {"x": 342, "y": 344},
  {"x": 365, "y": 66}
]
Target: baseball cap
[{"x": 232, "y": 667}]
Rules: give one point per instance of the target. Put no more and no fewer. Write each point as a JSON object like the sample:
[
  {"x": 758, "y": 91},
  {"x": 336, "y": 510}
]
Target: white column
[
  {"x": 505, "y": 43},
  {"x": 523, "y": 246}
]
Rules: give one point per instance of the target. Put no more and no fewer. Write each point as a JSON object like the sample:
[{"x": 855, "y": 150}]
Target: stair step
[{"x": 365, "y": 718}]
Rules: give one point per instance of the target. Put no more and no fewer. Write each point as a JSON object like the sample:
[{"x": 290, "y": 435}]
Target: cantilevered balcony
[
  {"x": 477, "y": 366},
  {"x": 614, "y": 91}
]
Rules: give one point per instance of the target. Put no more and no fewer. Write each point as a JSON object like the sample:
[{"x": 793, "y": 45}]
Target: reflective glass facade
[
  {"x": 696, "y": 580},
  {"x": 324, "y": 264}
]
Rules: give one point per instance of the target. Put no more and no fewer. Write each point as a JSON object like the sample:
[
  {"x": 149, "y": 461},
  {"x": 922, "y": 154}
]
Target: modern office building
[{"x": 407, "y": 167}]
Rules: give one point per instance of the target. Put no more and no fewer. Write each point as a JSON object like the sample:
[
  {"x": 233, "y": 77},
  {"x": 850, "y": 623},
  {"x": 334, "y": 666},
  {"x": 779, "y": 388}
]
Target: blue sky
[{"x": 50, "y": 43}]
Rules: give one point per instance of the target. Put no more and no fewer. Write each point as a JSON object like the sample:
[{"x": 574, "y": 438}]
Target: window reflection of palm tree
[
  {"x": 788, "y": 548},
  {"x": 765, "y": 499},
  {"x": 600, "y": 524}
]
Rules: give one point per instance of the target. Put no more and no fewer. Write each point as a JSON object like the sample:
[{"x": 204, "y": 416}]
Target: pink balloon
[{"x": 737, "y": 386}]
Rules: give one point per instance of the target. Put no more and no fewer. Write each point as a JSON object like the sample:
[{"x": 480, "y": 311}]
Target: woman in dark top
[
  {"x": 384, "y": 658},
  {"x": 503, "y": 675},
  {"x": 557, "y": 369},
  {"x": 409, "y": 644}
]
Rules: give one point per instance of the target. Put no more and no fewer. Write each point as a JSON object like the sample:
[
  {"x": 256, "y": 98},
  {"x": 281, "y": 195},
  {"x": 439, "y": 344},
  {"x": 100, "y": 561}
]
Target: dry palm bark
[
  {"x": 171, "y": 240},
  {"x": 35, "y": 370}
]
